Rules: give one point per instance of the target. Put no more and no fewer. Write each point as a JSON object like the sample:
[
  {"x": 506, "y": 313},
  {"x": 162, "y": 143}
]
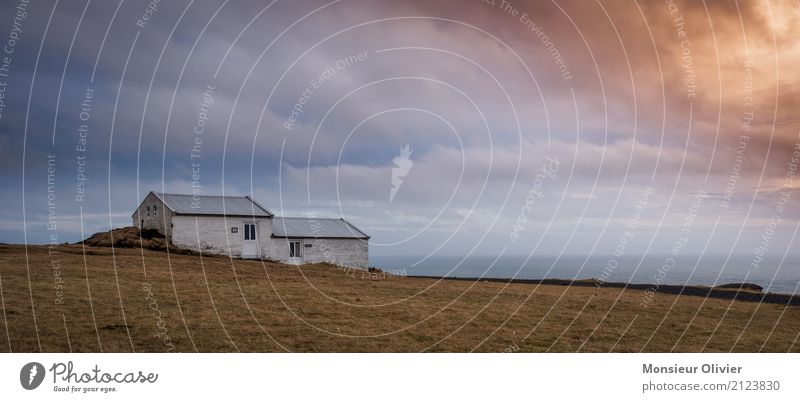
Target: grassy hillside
[{"x": 149, "y": 301}]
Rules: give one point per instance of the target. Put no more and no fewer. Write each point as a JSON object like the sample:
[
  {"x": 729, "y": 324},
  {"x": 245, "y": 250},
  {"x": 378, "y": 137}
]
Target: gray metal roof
[
  {"x": 315, "y": 228},
  {"x": 188, "y": 204}
]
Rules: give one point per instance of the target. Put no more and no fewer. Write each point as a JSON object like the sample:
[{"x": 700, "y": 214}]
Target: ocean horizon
[{"x": 707, "y": 270}]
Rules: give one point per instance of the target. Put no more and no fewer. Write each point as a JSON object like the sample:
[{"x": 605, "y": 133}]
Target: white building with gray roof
[{"x": 240, "y": 227}]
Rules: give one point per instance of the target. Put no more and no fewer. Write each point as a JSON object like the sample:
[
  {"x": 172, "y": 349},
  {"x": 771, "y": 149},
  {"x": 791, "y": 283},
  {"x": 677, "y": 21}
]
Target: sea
[{"x": 774, "y": 275}]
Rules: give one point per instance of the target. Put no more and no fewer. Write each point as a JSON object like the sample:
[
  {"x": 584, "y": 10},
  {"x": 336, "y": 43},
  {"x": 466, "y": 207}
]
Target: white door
[
  {"x": 295, "y": 252},
  {"x": 250, "y": 242}
]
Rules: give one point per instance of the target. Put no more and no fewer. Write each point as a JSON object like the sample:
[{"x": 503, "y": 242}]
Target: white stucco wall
[
  {"x": 215, "y": 237},
  {"x": 215, "y": 233},
  {"x": 153, "y": 214},
  {"x": 345, "y": 252}
]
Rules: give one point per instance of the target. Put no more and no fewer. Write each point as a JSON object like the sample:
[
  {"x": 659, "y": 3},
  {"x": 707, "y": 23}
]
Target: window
[
  {"x": 250, "y": 231},
  {"x": 155, "y": 208},
  {"x": 294, "y": 249},
  {"x": 148, "y": 208}
]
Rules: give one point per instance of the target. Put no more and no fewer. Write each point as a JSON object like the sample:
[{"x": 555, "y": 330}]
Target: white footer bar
[{"x": 400, "y": 377}]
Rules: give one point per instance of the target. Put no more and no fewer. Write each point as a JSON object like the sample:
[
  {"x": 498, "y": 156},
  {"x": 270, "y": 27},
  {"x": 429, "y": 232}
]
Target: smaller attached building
[
  {"x": 239, "y": 226},
  {"x": 311, "y": 240}
]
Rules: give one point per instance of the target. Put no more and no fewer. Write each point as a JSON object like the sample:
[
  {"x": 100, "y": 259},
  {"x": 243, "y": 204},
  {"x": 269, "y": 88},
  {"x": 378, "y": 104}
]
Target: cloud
[{"x": 625, "y": 96}]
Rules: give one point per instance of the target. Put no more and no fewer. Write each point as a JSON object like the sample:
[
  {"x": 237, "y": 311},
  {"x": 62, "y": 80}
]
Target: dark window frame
[
  {"x": 250, "y": 231},
  {"x": 295, "y": 249}
]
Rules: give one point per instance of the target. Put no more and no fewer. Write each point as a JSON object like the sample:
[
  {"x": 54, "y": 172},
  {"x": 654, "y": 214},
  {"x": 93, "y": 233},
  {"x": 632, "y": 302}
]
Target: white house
[{"x": 241, "y": 227}]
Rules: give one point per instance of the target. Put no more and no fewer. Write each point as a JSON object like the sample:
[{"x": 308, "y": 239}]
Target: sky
[{"x": 450, "y": 127}]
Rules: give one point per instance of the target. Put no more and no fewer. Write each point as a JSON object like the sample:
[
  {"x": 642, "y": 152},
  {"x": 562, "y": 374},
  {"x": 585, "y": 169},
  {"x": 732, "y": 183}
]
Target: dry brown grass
[{"x": 215, "y": 304}]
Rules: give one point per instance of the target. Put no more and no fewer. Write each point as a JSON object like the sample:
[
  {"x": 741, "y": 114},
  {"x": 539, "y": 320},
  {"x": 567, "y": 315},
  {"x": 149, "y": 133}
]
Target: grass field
[{"x": 149, "y": 301}]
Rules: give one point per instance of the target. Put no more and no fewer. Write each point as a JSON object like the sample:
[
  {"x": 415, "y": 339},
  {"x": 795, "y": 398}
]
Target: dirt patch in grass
[{"x": 132, "y": 237}]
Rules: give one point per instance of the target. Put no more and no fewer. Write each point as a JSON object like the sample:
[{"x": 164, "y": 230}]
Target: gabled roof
[
  {"x": 187, "y": 204},
  {"x": 316, "y": 228}
]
